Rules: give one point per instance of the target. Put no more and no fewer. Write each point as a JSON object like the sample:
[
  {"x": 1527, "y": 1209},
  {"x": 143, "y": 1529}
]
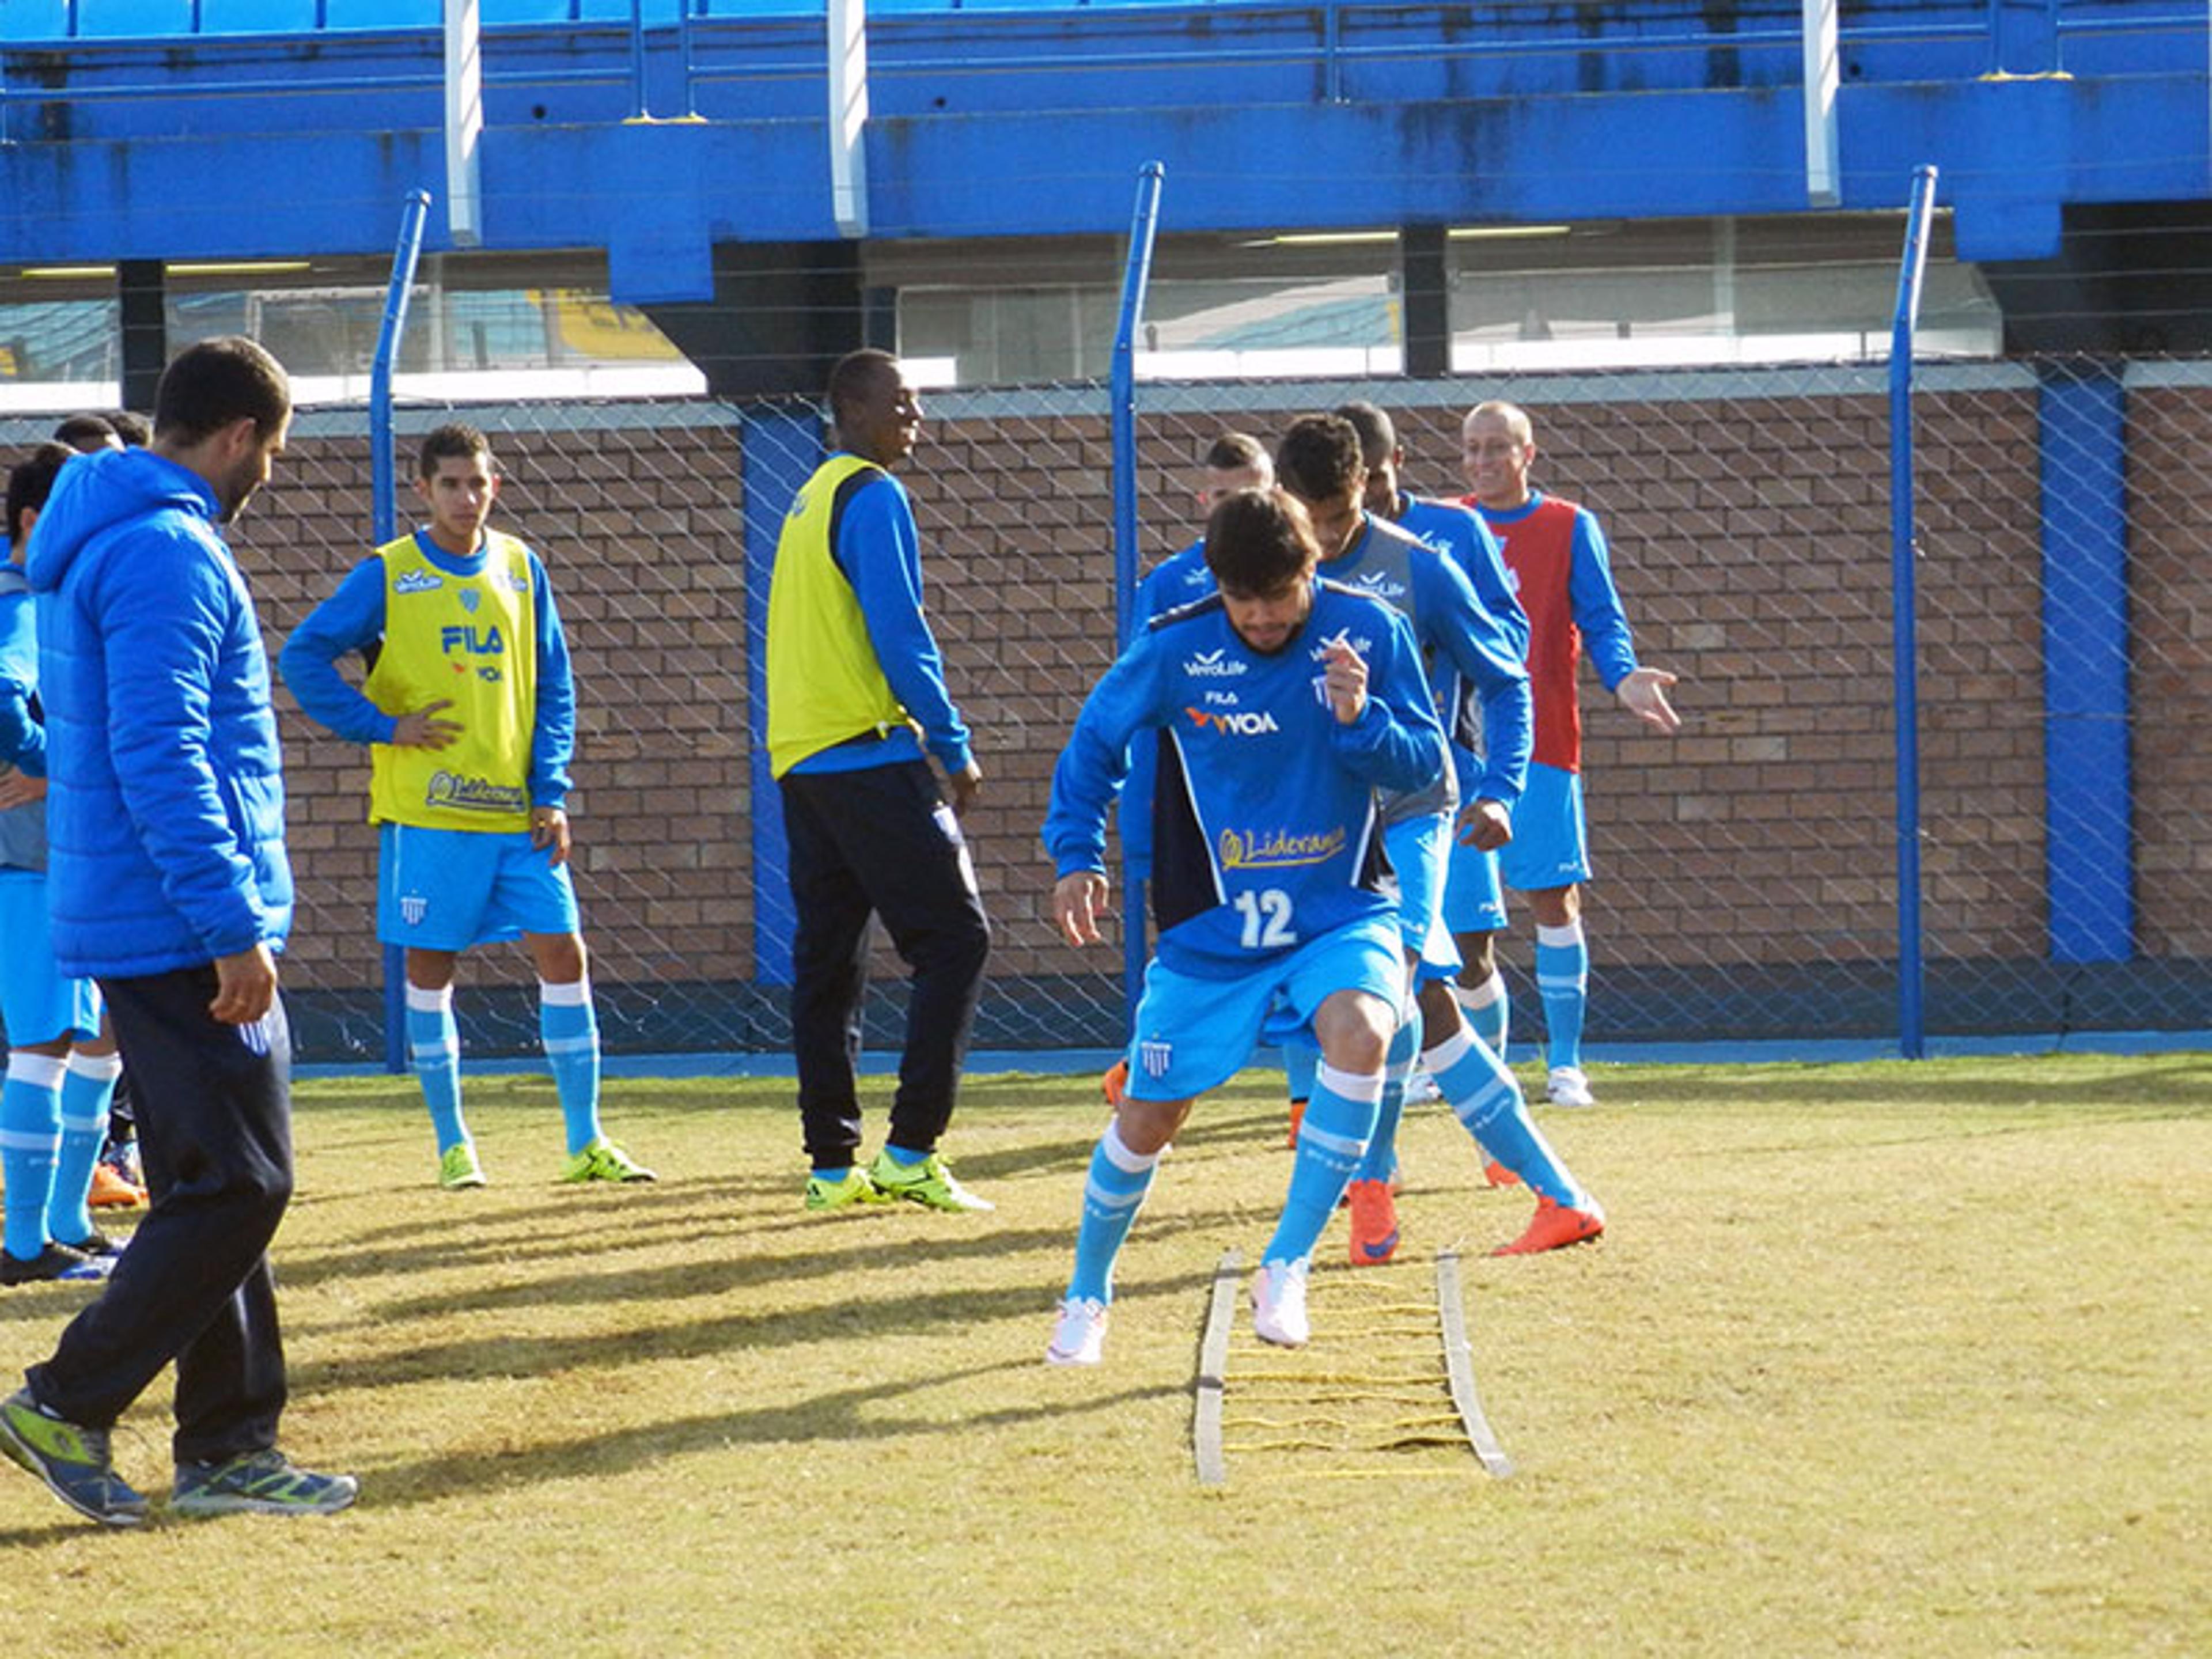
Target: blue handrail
[
  {"x": 1912, "y": 1014},
  {"x": 1136, "y": 277},
  {"x": 384, "y": 519}
]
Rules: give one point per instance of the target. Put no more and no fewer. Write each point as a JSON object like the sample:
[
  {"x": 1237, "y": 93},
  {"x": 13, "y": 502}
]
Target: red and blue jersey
[{"x": 1561, "y": 576}]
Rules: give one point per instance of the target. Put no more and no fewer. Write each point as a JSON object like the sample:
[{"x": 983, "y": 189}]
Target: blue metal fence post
[
  {"x": 1136, "y": 276},
  {"x": 384, "y": 519},
  {"x": 1912, "y": 1017},
  {"x": 779, "y": 446}
]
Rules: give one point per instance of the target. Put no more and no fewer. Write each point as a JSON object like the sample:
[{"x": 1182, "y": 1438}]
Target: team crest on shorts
[
  {"x": 1155, "y": 1056},
  {"x": 413, "y": 906}
]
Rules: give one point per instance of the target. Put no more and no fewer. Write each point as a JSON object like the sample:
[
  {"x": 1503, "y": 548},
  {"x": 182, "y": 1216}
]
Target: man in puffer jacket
[{"x": 167, "y": 883}]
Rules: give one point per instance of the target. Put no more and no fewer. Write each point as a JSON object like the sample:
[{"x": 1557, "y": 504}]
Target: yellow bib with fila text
[{"x": 470, "y": 641}]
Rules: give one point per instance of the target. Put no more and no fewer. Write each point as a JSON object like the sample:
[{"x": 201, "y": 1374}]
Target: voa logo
[
  {"x": 1234, "y": 722},
  {"x": 1213, "y": 665}
]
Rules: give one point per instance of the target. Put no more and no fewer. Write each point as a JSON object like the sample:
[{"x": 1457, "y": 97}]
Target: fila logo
[
  {"x": 1220, "y": 699},
  {"x": 466, "y": 638},
  {"x": 1214, "y": 664},
  {"x": 1234, "y": 722}
]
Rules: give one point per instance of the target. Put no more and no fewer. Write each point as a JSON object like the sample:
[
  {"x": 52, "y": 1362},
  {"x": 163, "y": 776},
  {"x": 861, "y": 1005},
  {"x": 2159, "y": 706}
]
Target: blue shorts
[
  {"x": 1194, "y": 1035},
  {"x": 37, "y": 1003},
  {"x": 1420, "y": 853},
  {"x": 446, "y": 889},
  {"x": 1550, "y": 849}
]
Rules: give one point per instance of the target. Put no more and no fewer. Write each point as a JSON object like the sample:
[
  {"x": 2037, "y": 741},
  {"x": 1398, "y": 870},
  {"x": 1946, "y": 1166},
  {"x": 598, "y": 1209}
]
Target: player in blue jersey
[
  {"x": 62, "y": 1063},
  {"x": 1472, "y": 664},
  {"x": 1290, "y": 702},
  {"x": 469, "y": 716}
]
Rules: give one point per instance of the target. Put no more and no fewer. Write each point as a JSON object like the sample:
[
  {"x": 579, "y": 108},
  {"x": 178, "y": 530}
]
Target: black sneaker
[
  {"x": 72, "y": 1461},
  {"x": 258, "y": 1483},
  {"x": 96, "y": 1245},
  {"x": 53, "y": 1262}
]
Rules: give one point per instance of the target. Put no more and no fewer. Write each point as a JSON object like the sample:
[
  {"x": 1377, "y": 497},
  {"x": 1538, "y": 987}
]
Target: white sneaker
[
  {"x": 1079, "y": 1339},
  {"x": 1279, "y": 1304},
  {"x": 1569, "y": 1087}
]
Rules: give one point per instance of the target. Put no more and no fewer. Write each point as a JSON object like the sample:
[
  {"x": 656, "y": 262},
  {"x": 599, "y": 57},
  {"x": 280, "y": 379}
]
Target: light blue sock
[
  {"x": 1382, "y": 1155},
  {"x": 905, "y": 1157},
  {"x": 1486, "y": 1100},
  {"x": 1299, "y": 1060},
  {"x": 88, "y": 1085},
  {"x": 1487, "y": 1009},
  {"x": 1111, "y": 1197},
  {"x": 1339, "y": 1116},
  {"x": 1563, "y": 982},
  {"x": 434, "y": 1040},
  {"x": 30, "y": 1137},
  {"x": 571, "y": 1036}
]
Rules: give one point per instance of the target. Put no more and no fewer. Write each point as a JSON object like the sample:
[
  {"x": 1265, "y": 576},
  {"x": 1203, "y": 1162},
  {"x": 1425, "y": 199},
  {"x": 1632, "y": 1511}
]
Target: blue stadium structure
[{"x": 696, "y": 142}]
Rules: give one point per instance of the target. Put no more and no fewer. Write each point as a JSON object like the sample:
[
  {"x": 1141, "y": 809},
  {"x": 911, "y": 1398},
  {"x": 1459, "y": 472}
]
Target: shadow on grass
[
  {"x": 838, "y": 1415},
  {"x": 486, "y": 1355}
]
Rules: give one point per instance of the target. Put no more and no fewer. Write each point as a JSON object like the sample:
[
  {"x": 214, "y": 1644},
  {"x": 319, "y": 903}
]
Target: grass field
[{"x": 1875, "y": 1359}]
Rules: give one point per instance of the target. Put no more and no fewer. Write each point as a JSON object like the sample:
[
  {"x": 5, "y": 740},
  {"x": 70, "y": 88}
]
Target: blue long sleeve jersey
[
  {"x": 1267, "y": 829},
  {"x": 1471, "y": 652},
  {"x": 352, "y": 619},
  {"x": 878, "y": 549}
]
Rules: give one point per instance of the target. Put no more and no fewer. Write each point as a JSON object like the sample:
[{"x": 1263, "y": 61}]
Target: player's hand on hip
[
  {"x": 549, "y": 827},
  {"x": 421, "y": 728},
  {"x": 1078, "y": 901},
  {"x": 1484, "y": 825},
  {"x": 965, "y": 784},
  {"x": 1346, "y": 681},
  {"x": 245, "y": 985},
  {"x": 1643, "y": 694}
]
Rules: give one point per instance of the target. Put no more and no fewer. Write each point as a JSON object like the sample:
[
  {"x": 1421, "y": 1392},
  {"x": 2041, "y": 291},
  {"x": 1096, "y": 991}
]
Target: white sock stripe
[
  {"x": 96, "y": 1124},
  {"x": 1365, "y": 1087},
  {"x": 1559, "y": 938},
  {"x": 435, "y": 1055},
  {"x": 27, "y": 1140},
  {"x": 1119, "y": 1154},
  {"x": 1448, "y": 1052},
  {"x": 421, "y": 1001},
  {"x": 1481, "y": 1109},
  {"x": 101, "y": 1068},
  {"x": 1562, "y": 981},
  {"x": 39, "y": 1071},
  {"x": 1350, "y": 1148},
  {"x": 588, "y": 1044},
  {"x": 1107, "y": 1198},
  {"x": 577, "y": 994},
  {"x": 1482, "y": 995}
]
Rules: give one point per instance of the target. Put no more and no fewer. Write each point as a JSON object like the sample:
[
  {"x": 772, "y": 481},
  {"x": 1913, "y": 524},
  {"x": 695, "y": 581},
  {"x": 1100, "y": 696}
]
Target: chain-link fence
[{"x": 1746, "y": 881}]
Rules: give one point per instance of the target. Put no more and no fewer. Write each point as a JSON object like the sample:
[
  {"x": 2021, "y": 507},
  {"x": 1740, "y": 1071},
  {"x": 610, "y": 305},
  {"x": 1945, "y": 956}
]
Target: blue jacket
[
  {"x": 166, "y": 794},
  {"x": 22, "y": 739}
]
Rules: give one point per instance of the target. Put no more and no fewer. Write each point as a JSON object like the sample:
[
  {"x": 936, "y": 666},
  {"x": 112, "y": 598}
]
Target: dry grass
[{"x": 1878, "y": 1359}]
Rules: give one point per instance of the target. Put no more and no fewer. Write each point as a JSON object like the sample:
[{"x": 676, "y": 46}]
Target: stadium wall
[{"x": 1745, "y": 880}]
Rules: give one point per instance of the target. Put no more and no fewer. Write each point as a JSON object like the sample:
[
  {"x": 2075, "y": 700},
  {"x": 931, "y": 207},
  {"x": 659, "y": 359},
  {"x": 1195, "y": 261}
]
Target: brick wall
[{"x": 1751, "y": 542}]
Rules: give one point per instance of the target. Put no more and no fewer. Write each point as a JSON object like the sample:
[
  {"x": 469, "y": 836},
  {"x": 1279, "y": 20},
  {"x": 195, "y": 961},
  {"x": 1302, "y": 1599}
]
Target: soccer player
[
  {"x": 1471, "y": 663},
  {"x": 62, "y": 1063},
  {"x": 469, "y": 715},
  {"x": 169, "y": 883},
  {"x": 1289, "y": 701},
  {"x": 855, "y": 687},
  {"x": 1557, "y": 554}
]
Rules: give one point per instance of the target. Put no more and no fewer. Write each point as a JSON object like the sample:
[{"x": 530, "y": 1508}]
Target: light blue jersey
[{"x": 1267, "y": 832}]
